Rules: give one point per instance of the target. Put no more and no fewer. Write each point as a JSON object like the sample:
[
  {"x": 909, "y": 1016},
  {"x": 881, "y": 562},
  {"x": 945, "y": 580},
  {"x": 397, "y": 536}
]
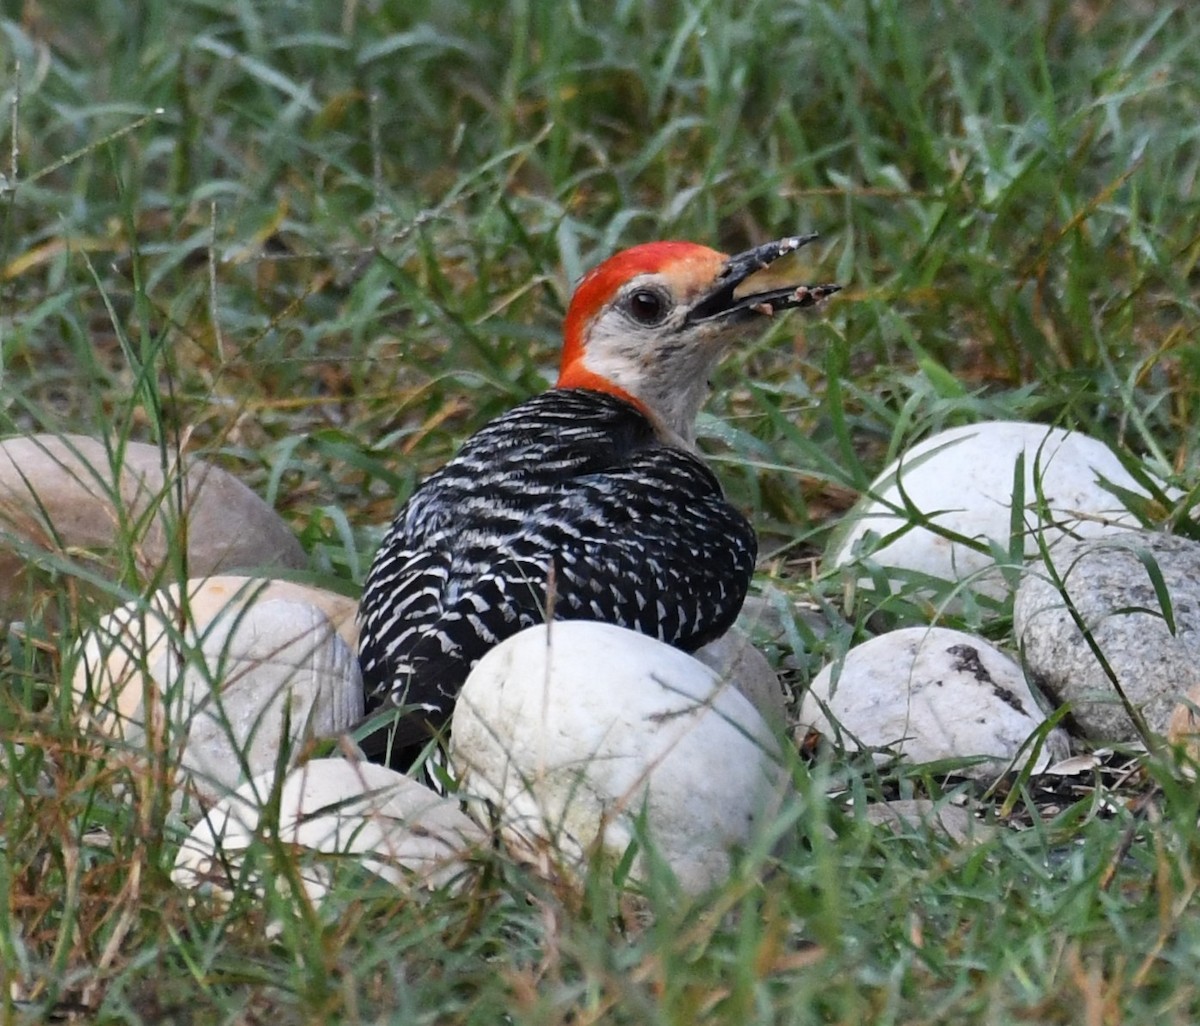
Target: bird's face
[{"x": 650, "y": 323}]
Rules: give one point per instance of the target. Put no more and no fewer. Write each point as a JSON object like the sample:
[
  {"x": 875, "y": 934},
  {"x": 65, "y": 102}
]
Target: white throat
[{"x": 670, "y": 381}]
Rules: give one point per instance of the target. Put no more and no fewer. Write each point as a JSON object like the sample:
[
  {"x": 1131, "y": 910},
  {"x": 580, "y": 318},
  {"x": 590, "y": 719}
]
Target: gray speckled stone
[{"x": 1114, "y": 594}]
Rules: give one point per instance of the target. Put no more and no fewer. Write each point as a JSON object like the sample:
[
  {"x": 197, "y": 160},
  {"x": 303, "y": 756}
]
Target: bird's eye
[{"x": 647, "y": 306}]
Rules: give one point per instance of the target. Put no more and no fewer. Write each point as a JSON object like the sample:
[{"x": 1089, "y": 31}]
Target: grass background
[{"x": 321, "y": 243}]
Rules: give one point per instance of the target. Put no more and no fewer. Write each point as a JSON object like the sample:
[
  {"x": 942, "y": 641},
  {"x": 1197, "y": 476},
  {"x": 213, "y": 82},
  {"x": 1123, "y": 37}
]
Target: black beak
[{"x": 728, "y": 299}]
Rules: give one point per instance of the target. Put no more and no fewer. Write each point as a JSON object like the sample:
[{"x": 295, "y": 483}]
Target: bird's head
[{"x": 650, "y": 323}]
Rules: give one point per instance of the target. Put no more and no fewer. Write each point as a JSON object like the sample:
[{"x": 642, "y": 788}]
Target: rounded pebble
[
  {"x": 929, "y": 694},
  {"x": 962, "y": 480},
  {"x": 571, "y": 732},
  {"x": 233, "y": 673},
  {"x": 1117, "y": 588},
  {"x": 62, "y": 494},
  {"x": 394, "y": 827}
]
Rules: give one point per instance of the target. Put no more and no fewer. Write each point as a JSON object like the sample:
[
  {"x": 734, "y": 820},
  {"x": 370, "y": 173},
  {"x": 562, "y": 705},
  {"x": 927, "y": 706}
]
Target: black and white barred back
[{"x": 574, "y": 486}]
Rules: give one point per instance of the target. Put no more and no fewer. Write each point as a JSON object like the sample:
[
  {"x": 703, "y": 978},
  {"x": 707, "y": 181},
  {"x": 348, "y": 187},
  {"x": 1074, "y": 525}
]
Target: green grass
[{"x": 320, "y": 244}]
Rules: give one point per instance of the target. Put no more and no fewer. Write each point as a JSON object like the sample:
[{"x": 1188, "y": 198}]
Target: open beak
[{"x": 762, "y": 280}]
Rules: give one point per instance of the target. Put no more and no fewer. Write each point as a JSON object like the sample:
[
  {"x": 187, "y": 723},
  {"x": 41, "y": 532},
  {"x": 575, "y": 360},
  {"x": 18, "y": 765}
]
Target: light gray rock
[
  {"x": 962, "y": 480},
  {"x": 1154, "y": 651},
  {"x": 929, "y": 693},
  {"x": 353, "y": 812},
  {"x": 572, "y": 732},
  {"x": 956, "y": 822},
  {"x": 734, "y": 658},
  {"x": 60, "y": 494},
  {"x": 793, "y": 623},
  {"x": 224, "y": 681}
]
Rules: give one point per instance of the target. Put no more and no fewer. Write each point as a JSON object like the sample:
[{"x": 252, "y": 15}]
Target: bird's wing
[
  {"x": 628, "y": 531},
  {"x": 651, "y": 545}
]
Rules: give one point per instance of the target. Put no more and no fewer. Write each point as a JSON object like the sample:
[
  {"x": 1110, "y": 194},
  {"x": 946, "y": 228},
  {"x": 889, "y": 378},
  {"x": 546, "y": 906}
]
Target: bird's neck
[
  {"x": 668, "y": 389},
  {"x": 578, "y": 376},
  {"x": 677, "y": 431}
]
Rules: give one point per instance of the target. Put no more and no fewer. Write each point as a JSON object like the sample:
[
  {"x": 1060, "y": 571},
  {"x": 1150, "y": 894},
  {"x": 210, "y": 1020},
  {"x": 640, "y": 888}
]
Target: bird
[{"x": 587, "y": 501}]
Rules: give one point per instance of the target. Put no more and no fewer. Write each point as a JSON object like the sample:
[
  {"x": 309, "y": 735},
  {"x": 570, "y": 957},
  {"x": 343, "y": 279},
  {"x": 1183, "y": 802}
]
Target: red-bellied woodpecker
[{"x": 588, "y": 501}]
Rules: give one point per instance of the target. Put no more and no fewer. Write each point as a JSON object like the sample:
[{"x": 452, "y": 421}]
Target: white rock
[
  {"x": 574, "y": 731},
  {"x": 1155, "y": 660},
  {"x": 238, "y": 669},
  {"x": 63, "y": 494},
  {"x": 962, "y": 480},
  {"x": 929, "y": 693},
  {"x": 397, "y": 829}
]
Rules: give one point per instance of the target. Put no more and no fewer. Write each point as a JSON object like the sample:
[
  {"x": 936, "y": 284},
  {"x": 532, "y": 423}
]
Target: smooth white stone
[
  {"x": 393, "y": 827},
  {"x": 929, "y": 693},
  {"x": 962, "y": 480},
  {"x": 571, "y": 732}
]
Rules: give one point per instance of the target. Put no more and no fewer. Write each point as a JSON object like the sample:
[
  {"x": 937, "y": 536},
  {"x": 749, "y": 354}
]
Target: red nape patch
[
  {"x": 601, "y": 283},
  {"x": 578, "y": 376}
]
